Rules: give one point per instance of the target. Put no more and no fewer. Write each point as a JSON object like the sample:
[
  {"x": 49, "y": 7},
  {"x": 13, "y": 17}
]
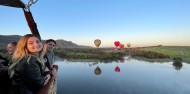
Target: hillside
[
  {"x": 8, "y": 38},
  {"x": 68, "y": 44},
  {"x": 5, "y": 39},
  {"x": 173, "y": 51}
]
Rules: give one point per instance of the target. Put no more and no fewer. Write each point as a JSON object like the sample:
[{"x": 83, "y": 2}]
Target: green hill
[{"x": 173, "y": 51}]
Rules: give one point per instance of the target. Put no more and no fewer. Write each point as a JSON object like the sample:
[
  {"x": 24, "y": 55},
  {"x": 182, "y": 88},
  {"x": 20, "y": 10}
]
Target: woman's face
[
  {"x": 34, "y": 45},
  {"x": 10, "y": 48}
]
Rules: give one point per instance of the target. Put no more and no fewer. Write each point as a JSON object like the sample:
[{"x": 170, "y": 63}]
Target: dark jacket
[
  {"x": 4, "y": 78},
  {"x": 50, "y": 59},
  {"x": 5, "y": 59},
  {"x": 28, "y": 77},
  {"x": 4, "y": 82}
]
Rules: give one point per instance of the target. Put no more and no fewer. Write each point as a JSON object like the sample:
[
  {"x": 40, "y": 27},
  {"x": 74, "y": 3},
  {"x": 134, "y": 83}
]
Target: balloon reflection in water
[
  {"x": 117, "y": 69},
  {"x": 97, "y": 42},
  {"x": 97, "y": 71}
]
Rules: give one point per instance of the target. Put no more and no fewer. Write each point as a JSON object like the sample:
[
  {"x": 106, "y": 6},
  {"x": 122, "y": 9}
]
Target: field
[{"x": 173, "y": 51}]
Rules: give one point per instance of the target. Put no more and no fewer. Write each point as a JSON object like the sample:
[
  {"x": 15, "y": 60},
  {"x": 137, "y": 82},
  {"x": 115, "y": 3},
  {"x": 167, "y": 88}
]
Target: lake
[{"x": 127, "y": 76}]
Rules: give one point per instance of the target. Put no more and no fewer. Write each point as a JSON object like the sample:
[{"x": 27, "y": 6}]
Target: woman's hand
[
  {"x": 47, "y": 79},
  {"x": 54, "y": 72}
]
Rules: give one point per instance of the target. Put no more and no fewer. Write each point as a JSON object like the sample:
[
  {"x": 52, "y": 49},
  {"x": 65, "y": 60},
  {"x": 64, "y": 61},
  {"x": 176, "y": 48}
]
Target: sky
[{"x": 139, "y": 22}]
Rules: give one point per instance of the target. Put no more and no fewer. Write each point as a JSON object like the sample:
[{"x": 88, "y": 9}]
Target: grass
[
  {"x": 173, "y": 51},
  {"x": 90, "y": 53}
]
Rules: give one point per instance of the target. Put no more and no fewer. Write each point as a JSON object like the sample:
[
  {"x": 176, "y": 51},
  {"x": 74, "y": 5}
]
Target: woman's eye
[{"x": 31, "y": 43}]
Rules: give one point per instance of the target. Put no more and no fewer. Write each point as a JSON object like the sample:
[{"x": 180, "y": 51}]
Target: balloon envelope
[
  {"x": 121, "y": 46},
  {"x": 97, "y": 42},
  {"x": 128, "y": 44},
  {"x": 116, "y": 43}
]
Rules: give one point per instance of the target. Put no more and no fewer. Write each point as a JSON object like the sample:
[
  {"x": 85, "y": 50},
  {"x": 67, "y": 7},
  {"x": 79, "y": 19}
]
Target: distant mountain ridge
[
  {"x": 9, "y": 38},
  {"x": 5, "y": 39}
]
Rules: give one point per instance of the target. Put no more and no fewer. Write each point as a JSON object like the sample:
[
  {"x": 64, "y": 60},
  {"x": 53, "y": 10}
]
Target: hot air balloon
[
  {"x": 97, "y": 42},
  {"x": 112, "y": 48},
  {"x": 117, "y": 69},
  {"x": 97, "y": 71},
  {"x": 116, "y": 43},
  {"x": 121, "y": 46},
  {"x": 128, "y": 44}
]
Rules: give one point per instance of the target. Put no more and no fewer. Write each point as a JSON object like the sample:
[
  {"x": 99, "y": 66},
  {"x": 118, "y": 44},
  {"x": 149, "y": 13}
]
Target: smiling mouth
[{"x": 36, "y": 48}]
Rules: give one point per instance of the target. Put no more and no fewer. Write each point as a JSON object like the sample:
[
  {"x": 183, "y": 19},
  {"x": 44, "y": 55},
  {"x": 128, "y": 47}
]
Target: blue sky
[{"x": 140, "y": 22}]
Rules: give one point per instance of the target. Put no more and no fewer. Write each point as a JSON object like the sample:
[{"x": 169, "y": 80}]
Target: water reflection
[
  {"x": 129, "y": 58},
  {"x": 177, "y": 64},
  {"x": 97, "y": 71},
  {"x": 149, "y": 60},
  {"x": 117, "y": 69},
  {"x": 114, "y": 77},
  {"x": 122, "y": 60}
]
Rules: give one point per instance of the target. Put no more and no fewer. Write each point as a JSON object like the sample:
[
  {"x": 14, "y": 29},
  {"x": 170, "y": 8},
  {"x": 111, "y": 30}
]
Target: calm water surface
[{"x": 123, "y": 77}]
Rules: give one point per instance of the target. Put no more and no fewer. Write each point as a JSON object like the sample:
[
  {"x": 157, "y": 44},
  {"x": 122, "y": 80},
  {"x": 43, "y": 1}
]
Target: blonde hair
[{"x": 22, "y": 52}]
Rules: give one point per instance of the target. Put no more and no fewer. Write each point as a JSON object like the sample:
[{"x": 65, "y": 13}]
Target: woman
[
  {"x": 4, "y": 64},
  {"x": 26, "y": 71},
  {"x": 11, "y": 47}
]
